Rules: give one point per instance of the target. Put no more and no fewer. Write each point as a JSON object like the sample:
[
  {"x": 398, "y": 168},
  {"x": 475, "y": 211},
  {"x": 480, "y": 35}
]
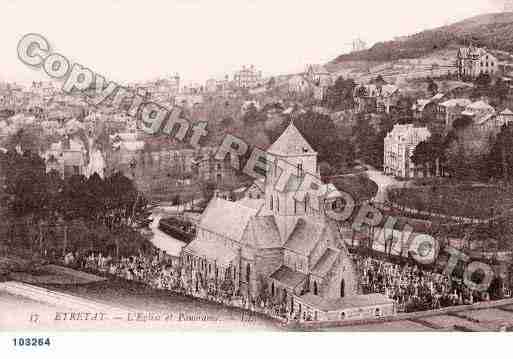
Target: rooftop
[{"x": 291, "y": 143}]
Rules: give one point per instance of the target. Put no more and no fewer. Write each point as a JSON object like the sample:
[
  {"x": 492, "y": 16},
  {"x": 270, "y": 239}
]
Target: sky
[{"x": 129, "y": 41}]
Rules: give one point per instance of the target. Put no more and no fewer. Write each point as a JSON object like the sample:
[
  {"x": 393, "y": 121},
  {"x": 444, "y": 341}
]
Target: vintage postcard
[{"x": 247, "y": 166}]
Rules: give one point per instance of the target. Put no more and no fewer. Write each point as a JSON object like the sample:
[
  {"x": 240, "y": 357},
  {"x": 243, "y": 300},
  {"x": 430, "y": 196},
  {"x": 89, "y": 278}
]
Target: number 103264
[{"x": 31, "y": 342}]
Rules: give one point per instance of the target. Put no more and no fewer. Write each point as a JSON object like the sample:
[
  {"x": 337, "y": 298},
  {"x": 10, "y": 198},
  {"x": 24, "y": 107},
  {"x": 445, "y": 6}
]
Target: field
[
  {"x": 470, "y": 201},
  {"x": 141, "y": 298},
  {"x": 52, "y": 274}
]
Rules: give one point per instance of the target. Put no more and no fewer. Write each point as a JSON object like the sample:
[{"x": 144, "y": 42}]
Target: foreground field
[
  {"x": 193, "y": 311},
  {"x": 119, "y": 305}
]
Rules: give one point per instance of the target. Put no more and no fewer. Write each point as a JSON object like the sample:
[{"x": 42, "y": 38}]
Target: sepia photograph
[{"x": 255, "y": 166}]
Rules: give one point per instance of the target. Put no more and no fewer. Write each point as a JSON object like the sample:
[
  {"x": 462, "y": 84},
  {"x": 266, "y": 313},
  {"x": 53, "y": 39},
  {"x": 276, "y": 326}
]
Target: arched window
[
  {"x": 342, "y": 288},
  {"x": 316, "y": 290},
  {"x": 272, "y": 289},
  {"x": 278, "y": 203},
  {"x": 271, "y": 203},
  {"x": 343, "y": 316},
  {"x": 248, "y": 271}
]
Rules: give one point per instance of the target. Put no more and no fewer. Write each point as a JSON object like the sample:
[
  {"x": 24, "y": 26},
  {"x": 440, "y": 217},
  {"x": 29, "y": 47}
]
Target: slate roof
[
  {"x": 213, "y": 250},
  {"x": 305, "y": 236},
  {"x": 251, "y": 203},
  {"x": 264, "y": 232},
  {"x": 289, "y": 278},
  {"x": 480, "y": 105},
  {"x": 291, "y": 143},
  {"x": 325, "y": 263},
  {"x": 357, "y": 301},
  {"x": 228, "y": 219},
  {"x": 456, "y": 102}
]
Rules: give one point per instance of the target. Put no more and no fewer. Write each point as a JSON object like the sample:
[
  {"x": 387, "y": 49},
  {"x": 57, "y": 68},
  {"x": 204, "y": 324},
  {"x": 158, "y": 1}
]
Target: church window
[
  {"x": 271, "y": 203},
  {"x": 248, "y": 272},
  {"x": 277, "y": 203},
  {"x": 342, "y": 288},
  {"x": 295, "y": 206},
  {"x": 343, "y": 316},
  {"x": 300, "y": 170},
  {"x": 272, "y": 289},
  {"x": 316, "y": 290}
]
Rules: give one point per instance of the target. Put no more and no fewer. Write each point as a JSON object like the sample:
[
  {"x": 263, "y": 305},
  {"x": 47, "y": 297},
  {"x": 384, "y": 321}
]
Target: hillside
[{"x": 494, "y": 31}]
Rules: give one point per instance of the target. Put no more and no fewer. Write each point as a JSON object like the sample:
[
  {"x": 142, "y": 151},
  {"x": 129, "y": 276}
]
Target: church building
[{"x": 285, "y": 248}]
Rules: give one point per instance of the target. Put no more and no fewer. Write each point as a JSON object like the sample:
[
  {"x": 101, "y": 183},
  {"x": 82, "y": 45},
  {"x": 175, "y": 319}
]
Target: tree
[
  {"x": 500, "y": 159},
  {"x": 271, "y": 83},
  {"x": 366, "y": 139},
  {"x": 340, "y": 95},
  {"x": 422, "y": 155},
  {"x": 501, "y": 90},
  {"x": 432, "y": 87}
]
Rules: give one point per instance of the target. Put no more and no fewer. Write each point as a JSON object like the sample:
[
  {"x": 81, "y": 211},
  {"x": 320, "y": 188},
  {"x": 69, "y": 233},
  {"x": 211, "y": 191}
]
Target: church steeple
[
  {"x": 291, "y": 143},
  {"x": 290, "y": 151}
]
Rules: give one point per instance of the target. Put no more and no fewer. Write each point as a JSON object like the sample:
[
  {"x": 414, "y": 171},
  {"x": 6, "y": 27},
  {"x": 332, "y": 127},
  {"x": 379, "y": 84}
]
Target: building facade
[
  {"x": 399, "y": 146},
  {"x": 473, "y": 61},
  {"x": 248, "y": 77}
]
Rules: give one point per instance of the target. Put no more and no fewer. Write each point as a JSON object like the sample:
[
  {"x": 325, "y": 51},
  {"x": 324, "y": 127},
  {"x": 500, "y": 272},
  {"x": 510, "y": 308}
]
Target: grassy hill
[{"x": 494, "y": 31}]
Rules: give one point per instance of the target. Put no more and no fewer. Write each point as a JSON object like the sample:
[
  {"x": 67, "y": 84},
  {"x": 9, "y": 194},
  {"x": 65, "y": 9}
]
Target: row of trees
[
  {"x": 438, "y": 154},
  {"x": 34, "y": 198}
]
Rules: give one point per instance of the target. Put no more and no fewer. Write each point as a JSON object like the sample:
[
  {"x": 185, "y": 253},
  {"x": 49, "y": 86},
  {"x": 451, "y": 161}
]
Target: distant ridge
[{"x": 493, "y": 31}]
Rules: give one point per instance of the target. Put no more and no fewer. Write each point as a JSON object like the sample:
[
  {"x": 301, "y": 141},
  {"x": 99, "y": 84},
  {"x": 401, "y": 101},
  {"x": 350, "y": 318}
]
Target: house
[
  {"x": 279, "y": 246},
  {"x": 376, "y": 98},
  {"x": 298, "y": 84},
  {"x": 418, "y": 108},
  {"x": 317, "y": 74},
  {"x": 68, "y": 157},
  {"x": 387, "y": 98},
  {"x": 450, "y": 110},
  {"x": 248, "y": 77},
  {"x": 399, "y": 146},
  {"x": 480, "y": 113},
  {"x": 256, "y": 190},
  {"x": 473, "y": 61}
]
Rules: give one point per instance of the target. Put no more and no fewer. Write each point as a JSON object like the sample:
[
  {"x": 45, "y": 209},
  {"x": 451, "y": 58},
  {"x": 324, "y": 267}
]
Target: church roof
[
  {"x": 228, "y": 219},
  {"x": 357, "y": 301},
  {"x": 305, "y": 236},
  {"x": 213, "y": 250},
  {"x": 325, "y": 263},
  {"x": 264, "y": 232},
  {"x": 289, "y": 278},
  {"x": 291, "y": 143}
]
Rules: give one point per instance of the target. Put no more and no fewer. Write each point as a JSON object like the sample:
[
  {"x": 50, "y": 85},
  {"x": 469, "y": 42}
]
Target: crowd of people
[{"x": 416, "y": 289}]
